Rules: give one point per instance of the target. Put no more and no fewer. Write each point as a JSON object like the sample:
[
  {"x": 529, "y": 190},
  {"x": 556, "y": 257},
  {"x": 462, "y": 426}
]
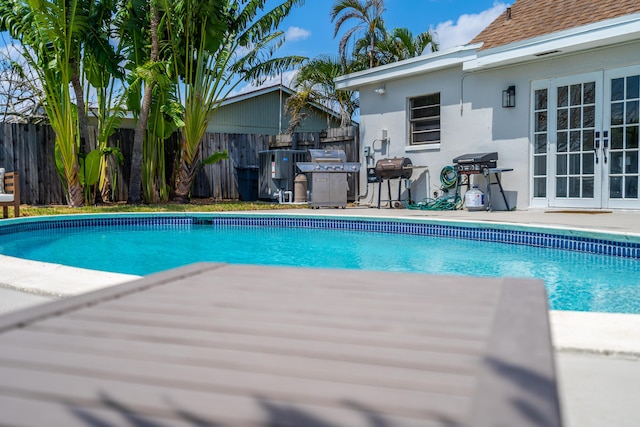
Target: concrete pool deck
[{"x": 597, "y": 354}]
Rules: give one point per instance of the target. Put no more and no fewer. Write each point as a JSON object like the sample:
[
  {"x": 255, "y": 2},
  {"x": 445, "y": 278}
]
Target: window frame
[{"x": 426, "y": 120}]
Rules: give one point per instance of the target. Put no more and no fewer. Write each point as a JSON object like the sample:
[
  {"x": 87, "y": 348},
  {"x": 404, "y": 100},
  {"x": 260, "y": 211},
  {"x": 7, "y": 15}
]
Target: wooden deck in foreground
[{"x": 228, "y": 345}]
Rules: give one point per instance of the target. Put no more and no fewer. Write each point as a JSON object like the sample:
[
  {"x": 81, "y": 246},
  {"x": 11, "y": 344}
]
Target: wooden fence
[{"x": 29, "y": 149}]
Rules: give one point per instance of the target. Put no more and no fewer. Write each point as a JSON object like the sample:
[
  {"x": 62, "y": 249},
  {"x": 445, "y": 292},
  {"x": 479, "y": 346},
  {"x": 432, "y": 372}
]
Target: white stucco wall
[{"x": 473, "y": 119}]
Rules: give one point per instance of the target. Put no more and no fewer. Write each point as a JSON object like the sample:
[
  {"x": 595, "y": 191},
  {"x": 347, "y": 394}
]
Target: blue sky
[{"x": 309, "y": 30}]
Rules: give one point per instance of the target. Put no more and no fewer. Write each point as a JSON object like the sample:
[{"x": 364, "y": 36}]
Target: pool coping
[{"x": 600, "y": 333}]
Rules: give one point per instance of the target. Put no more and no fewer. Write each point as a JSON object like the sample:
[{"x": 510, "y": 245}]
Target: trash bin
[
  {"x": 300, "y": 188},
  {"x": 248, "y": 183}
]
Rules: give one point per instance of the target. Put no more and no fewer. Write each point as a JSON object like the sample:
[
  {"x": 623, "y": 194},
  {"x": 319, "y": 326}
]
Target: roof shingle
[{"x": 534, "y": 18}]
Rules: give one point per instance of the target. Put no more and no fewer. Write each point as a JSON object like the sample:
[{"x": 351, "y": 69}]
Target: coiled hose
[{"x": 448, "y": 202}]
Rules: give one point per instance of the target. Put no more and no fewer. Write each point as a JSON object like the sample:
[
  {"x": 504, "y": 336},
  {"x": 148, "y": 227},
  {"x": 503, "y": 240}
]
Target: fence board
[{"x": 30, "y": 150}]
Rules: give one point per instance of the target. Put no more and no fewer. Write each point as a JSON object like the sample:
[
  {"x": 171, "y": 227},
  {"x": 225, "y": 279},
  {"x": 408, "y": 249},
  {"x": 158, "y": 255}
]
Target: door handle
[
  {"x": 605, "y": 145},
  {"x": 596, "y": 146}
]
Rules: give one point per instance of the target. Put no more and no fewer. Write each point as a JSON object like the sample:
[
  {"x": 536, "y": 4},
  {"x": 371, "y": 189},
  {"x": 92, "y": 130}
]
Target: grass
[{"x": 194, "y": 206}]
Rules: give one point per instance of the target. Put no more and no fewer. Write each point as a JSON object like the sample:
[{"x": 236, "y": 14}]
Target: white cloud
[
  {"x": 296, "y": 33},
  {"x": 468, "y": 26}
]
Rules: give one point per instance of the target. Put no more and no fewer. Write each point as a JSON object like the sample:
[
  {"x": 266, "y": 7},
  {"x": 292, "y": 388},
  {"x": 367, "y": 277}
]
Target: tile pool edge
[{"x": 600, "y": 242}]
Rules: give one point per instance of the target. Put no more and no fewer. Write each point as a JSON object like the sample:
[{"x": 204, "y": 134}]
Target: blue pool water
[{"x": 574, "y": 280}]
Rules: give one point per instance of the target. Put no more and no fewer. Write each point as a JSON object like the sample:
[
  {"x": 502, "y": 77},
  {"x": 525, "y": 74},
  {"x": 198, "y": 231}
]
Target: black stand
[
  {"x": 389, "y": 190},
  {"x": 486, "y": 172}
]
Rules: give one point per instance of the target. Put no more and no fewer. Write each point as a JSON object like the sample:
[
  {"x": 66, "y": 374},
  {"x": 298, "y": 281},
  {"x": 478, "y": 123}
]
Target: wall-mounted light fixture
[
  {"x": 509, "y": 97},
  {"x": 381, "y": 90}
]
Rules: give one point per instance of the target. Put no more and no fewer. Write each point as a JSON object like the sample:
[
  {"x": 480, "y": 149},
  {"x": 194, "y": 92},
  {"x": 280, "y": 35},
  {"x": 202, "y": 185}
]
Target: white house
[{"x": 572, "y": 136}]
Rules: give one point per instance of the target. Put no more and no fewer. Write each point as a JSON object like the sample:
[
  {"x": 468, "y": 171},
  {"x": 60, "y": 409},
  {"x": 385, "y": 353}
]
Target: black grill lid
[{"x": 477, "y": 158}]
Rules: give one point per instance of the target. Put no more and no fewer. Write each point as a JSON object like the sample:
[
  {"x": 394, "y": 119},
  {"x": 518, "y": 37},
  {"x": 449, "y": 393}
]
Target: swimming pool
[{"x": 581, "y": 278}]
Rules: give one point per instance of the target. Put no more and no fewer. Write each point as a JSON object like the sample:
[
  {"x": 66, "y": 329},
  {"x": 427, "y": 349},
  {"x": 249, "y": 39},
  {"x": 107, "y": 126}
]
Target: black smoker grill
[
  {"x": 397, "y": 168},
  {"x": 327, "y": 172}
]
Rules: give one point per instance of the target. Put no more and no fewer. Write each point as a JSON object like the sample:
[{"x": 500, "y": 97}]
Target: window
[{"x": 425, "y": 119}]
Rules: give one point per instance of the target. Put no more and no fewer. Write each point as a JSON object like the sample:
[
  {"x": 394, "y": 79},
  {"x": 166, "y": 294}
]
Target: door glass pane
[
  {"x": 616, "y": 138},
  {"x": 617, "y": 89},
  {"x": 631, "y": 162},
  {"x": 562, "y": 164},
  {"x": 541, "y": 121},
  {"x": 540, "y": 187},
  {"x": 617, "y": 113},
  {"x": 563, "y": 96},
  {"x": 540, "y": 165},
  {"x": 615, "y": 187},
  {"x": 590, "y": 93},
  {"x": 574, "y": 164},
  {"x": 632, "y": 137},
  {"x": 563, "y": 119},
  {"x": 575, "y": 141},
  {"x": 562, "y": 142},
  {"x": 574, "y": 186},
  {"x": 587, "y": 140},
  {"x": 632, "y": 112},
  {"x": 587, "y": 163},
  {"x": 631, "y": 187},
  {"x": 540, "y": 145},
  {"x": 576, "y": 118},
  {"x": 575, "y": 95},
  {"x": 589, "y": 118},
  {"x": 587, "y": 187},
  {"x": 616, "y": 162},
  {"x": 541, "y": 99},
  {"x": 633, "y": 87},
  {"x": 561, "y": 187}
]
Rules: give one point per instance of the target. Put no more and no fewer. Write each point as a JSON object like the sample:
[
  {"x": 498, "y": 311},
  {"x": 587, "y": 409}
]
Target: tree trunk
[
  {"x": 76, "y": 193},
  {"x": 83, "y": 123},
  {"x": 104, "y": 183},
  {"x": 135, "y": 180},
  {"x": 185, "y": 174}
]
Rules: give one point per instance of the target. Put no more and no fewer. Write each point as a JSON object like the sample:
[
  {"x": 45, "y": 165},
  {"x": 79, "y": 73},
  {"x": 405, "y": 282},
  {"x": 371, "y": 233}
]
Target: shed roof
[{"x": 527, "y": 19}]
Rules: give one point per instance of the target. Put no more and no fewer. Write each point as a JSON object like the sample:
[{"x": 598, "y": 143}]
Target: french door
[{"x": 585, "y": 140}]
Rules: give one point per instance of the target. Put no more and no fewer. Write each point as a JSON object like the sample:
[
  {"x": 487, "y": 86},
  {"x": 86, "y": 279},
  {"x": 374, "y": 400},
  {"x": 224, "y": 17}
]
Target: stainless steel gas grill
[
  {"x": 485, "y": 164},
  {"x": 327, "y": 173}
]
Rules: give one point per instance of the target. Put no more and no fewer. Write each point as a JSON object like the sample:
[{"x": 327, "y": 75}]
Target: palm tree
[
  {"x": 367, "y": 14},
  {"x": 406, "y": 46},
  {"x": 48, "y": 32},
  {"x": 215, "y": 46},
  {"x": 396, "y": 45},
  {"x": 315, "y": 83},
  {"x": 143, "y": 48}
]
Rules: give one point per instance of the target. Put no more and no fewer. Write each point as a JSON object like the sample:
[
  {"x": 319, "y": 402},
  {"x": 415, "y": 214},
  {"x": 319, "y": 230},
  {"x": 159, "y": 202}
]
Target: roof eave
[
  {"x": 408, "y": 67},
  {"x": 614, "y": 31}
]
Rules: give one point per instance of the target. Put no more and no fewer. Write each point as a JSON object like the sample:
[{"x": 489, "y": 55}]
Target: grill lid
[
  {"x": 477, "y": 158},
  {"x": 398, "y": 167},
  {"x": 328, "y": 161},
  {"x": 344, "y": 167},
  {"x": 322, "y": 156}
]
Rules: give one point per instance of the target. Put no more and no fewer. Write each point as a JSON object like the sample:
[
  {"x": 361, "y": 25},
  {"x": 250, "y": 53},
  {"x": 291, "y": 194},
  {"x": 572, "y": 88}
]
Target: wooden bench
[
  {"x": 11, "y": 195},
  {"x": 243, "y": 345}
]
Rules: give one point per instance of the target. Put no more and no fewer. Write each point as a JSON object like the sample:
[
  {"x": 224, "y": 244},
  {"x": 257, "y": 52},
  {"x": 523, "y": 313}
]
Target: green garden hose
[
  {"x": 448, "y": 180},
  {"x": 448, "y": 177}
]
